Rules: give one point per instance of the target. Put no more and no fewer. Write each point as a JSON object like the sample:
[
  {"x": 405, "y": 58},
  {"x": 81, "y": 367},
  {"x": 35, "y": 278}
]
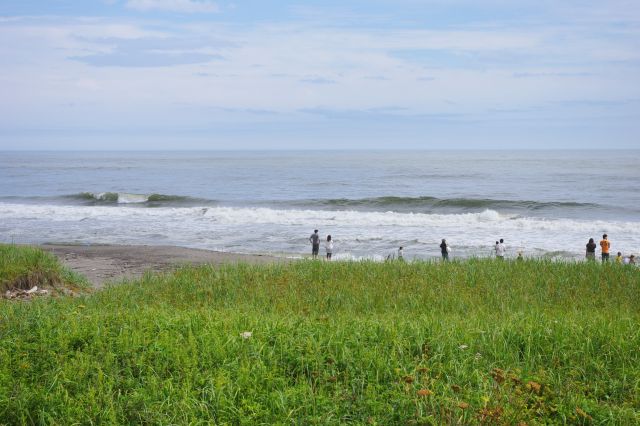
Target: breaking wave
[
  {"x": 106, "y": 198},
  {"x": 432, "y": 204},
  {"x": 425, "y": 204}
]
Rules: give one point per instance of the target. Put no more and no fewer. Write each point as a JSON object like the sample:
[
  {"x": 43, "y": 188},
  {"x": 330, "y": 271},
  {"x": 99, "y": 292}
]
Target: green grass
[
  {"x": 22, "y": 267},
  {"x": 473, "y": 342}
]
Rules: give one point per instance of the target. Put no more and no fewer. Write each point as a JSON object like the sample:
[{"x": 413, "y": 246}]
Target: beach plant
[
  {"x": 25, "y": 267},
  {"x": 310, "y": 342}
]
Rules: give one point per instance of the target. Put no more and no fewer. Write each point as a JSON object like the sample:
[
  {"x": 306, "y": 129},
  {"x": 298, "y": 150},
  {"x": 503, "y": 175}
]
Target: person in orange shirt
[{"x": 604, "y": 246}]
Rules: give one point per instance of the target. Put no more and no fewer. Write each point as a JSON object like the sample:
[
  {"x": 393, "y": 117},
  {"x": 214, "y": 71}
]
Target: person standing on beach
[
  {"x": 401, "y": 253},
  {"x": 329, "y": 247},
  {"x": 605, "y": 245},
  {"x": 444, "y": 250},
  {"x": 501, "y": 249},
  {"x": 314, "y": 239},
  {"x": 591, "y": 250},
  {"x": 619, "y": 258}
]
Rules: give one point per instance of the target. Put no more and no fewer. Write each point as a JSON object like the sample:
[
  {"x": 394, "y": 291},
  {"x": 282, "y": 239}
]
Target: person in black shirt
[
  {"x": 444, "y": 249},
  {"x": 591, "y": 250}
]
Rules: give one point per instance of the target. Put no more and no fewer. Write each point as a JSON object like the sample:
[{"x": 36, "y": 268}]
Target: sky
[{"x": 362, "y": 74}]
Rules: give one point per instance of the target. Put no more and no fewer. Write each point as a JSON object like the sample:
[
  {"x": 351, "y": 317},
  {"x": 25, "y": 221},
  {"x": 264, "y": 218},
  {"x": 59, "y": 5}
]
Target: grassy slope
[
  {"x": 22, "y": 267},
  {"x": 333, "y": 343}
]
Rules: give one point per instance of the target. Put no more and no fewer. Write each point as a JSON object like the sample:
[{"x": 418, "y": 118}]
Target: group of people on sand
[
  {"x": 314, "y": 239},
  {"x": 500, "y": 250},
  {"x": 605, "y": 248}
]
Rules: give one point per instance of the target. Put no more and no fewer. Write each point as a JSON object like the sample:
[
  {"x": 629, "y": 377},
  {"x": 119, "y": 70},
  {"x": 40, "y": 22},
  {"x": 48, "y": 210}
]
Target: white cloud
[
  {"x": 166, "y": 74},
  {"x": 186, "y": 6}
]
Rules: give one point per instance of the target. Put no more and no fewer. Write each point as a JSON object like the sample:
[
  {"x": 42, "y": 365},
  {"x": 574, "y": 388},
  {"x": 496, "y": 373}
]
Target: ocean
[{"x": 542, "y": 203}]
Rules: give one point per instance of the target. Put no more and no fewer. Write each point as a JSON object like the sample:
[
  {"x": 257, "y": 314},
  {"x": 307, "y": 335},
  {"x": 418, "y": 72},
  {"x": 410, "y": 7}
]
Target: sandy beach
[{"x": 102, "y": 264}]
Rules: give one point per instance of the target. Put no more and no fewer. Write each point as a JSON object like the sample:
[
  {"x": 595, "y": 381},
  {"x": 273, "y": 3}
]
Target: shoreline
[
  {"x": 109, "y": 263},
  {"x": 102, "y": 264}
]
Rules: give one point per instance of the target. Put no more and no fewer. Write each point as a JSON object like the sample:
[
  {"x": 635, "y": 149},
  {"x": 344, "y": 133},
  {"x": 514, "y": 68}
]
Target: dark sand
[{"x": 102, "y": 264}]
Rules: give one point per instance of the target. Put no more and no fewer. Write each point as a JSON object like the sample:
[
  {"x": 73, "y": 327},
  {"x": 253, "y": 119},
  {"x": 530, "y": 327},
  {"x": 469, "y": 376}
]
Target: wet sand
[{"x": 102, "y": 264}]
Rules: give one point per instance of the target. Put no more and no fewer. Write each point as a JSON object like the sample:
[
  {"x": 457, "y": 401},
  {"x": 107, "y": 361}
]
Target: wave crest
[
  {"x": 106, "y": 198},
  {"x": 427, "y": 204}
]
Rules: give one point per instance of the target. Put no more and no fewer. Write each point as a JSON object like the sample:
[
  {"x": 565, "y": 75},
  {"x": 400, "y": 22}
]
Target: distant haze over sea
[{"x": 543, "y": 203}]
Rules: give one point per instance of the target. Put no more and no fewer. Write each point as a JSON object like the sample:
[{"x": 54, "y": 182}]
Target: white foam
[
  {"x": 356, "y": 234},
  {"x": 125, "y": 198}
]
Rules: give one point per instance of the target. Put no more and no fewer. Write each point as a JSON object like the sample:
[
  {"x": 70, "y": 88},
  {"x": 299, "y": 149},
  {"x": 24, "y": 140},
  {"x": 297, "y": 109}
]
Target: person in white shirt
[
  {"x": 400, "y": 253},
  {"x": 501, "y": 249},
  {"x": 328, "y": 245}
]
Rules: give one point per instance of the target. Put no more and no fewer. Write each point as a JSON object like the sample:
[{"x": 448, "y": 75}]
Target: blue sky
[{"x": 375, "y": 74}]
